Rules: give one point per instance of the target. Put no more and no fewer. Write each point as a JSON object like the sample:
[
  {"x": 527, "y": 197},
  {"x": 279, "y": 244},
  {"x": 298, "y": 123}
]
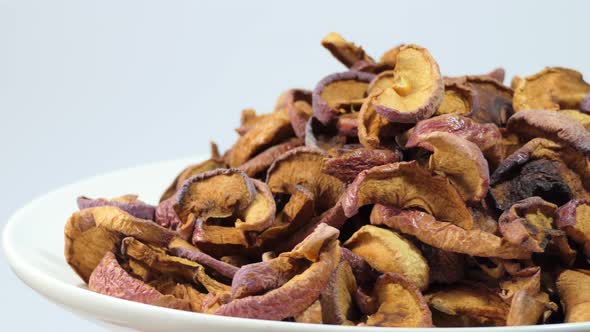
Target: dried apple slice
[
  {"x": 400, "y": 304},
  {"x": 297, "y": 103},
  {"x": 374, "y": 131},
  {"x": 311, "y": 315},
  {"x": 337, "y": 298},
  {"x": 109, "y": 278},
  {"x": 296, "y": 213},
  {"x": 574, "y": 292},
  {"x": 498, "y": 74},
  {"x": 458, "y": 99},
  {"x": 219, "y": 193},
  {"x": 166, "y": 217},
  {"x": 461, "y": 161},
  {"x": 300, "y": 291},
  {"x": 527, "y": 303},
  {"x": 557, "y": 127},
  {"x": 303, "y": 166},
  {"x": 529, "y": 223},
  {"x": 159, "y": 260},
  {"x": 346, "y": 52},
  {"x": 552, "y": 88},
  {"x": 555, "y": 172},
  {"x": 183, "y": 292},
  {"x": 387, "y": 251},
  {"x": 325, "y": 138},
  {"x": 444, "y": 235},
  {"x": 389, "y": 58},
  {"x": 128, "y": 203},
  {"x": 219, "y": 240},
  {"x": 527, "y": 309},
  {"x": 202, "y": 258},
  {"x": 574, "y": 219},
  {"x": 580, "y": 117},
  {"x": 348, "y": 165},
  {"x": 86, "y": 244},
  {"x": 494, "y": 100},
  {"x": 405, "y": 185},
  {"x": 486, "y": 136},
  {"x": 260, "y": 164},
  {"x": 260, "y": 214},
  {"x": 417, "y": 90},
  {"x": 364, "y": 274},
  {"x": 473, "y": 301},
  {"x": 190, "y": 171},
  {"x": 275, "y": 128},
  {"x": 338, "y": 90}
]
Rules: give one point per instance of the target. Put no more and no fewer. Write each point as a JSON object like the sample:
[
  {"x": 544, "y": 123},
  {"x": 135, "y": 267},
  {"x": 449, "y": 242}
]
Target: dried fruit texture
[
  {"x": 498, "y": 74},
  {"x": 574, "y": 292},
  {"x": 220, "y": 241},
  {"x": 389, "y": 58},
  {"x": 190, "y": 171},
  {"x": 216, "y": 194},
  {"x": 553, "y": 88},
  {"x": 445, "y": 267},
  {"x": 295, "y": 214},
  {"x": 337, "y": 306},
  {"x": 301, "y": 290},
  {"x": 473, "y": 301},
  {"x": 183, "y": 292},
  {"x": 446, "y": 236},
  {"x": 86, "y": 244},
  {"x": 551, "y": 125},
  {"x": 159, "y": 260},
  {"x": 387, "y": 251},
  {"x": 461, "y": 161},
  {"x": 128, "y": 203},
  {"x": 400, "y": 304},
  {"x": 555, "y": 172},
  {"x": 260, "y": 164},
  {"x": 348, "y": 165},
  {"x": 458, "y": 99},
  {"x": 585, "y": 104},
  {"x": 202, "y": 258},
  {"x": 417, "y": 90},
  {"x": 529, "y": 223},
  {"x": 166, "y": 217},
  {"x": 374, "y": 131},
  {"x": 109, "y": 278},
  {"x": 325, "y": 138},
  {"x": 574, "y": 219},
  {"x": 92, "y": 232},
  {"x": 494, "y": 100},
  {"x": 303, "y": 167},
  {"x": 527, "y": 302},
  {"x": 297, "y": 103},
  {"x": 260, "y": 214},
  {"x": 345, "y": 202},
  {"x": 346, "y": 52},
  {"x": 580, "y": 117},
  {"x": 275, "y": 128},
  {"x": 338, "y": 93},
  {"x": 311, "y": 315},
  {"x": 486, "y": 136},
  {"x": 407, "y": 185}
]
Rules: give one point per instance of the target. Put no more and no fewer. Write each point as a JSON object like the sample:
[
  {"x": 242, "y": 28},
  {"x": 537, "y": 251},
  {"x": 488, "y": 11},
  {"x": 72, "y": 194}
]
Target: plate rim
[{"x": 114, "y": 310}]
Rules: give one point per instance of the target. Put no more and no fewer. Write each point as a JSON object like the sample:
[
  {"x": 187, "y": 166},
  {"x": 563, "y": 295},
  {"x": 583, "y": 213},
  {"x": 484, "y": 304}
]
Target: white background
[{"x": 91, "y": 86}]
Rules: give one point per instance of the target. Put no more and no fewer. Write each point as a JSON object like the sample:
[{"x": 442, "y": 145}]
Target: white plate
[{"x": 33, "y": 244}]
